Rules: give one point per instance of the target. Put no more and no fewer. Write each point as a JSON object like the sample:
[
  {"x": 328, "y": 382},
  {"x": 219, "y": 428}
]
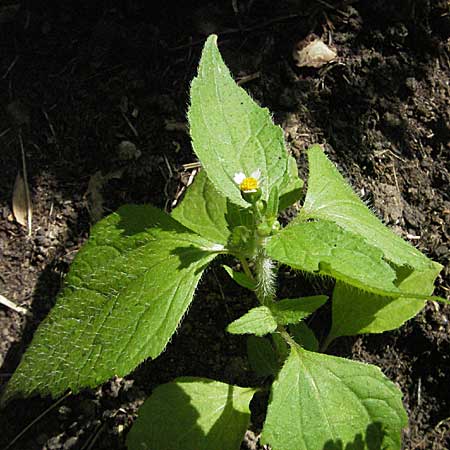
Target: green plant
[{"x": 134, "y": 279}]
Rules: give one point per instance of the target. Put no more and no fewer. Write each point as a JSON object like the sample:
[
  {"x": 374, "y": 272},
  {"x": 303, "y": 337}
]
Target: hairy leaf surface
[
  {"x": 324, "y": 248},
  {"x": 330, "y": 197},
  {"x": 208, "y": 213},
  {"x": 371, "y": 313},
  {"x": 124, "y": 297},
  {"x": 192, "y": 414},
  {"x": 258, "y": 321},
  {"x": 292, "y": 310},
  {"x": 231, "y": 133},
  {"x": 320, "y": 402},
  {"x": 265, "y": 319},
  {"x": 203, "y": 210}
]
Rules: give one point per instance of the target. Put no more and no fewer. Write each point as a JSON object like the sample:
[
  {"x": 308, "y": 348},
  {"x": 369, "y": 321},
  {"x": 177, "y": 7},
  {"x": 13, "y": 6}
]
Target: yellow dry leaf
[{"x": 21, "y": 203}]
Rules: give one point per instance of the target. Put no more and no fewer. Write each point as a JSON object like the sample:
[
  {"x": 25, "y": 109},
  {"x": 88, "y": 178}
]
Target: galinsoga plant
[{"x": 134, "y": 279}]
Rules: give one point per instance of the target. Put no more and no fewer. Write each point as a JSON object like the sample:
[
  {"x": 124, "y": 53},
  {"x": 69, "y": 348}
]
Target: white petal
[
  {"x": 239, "y": 177},
  {"x": 256, "y": 174}
]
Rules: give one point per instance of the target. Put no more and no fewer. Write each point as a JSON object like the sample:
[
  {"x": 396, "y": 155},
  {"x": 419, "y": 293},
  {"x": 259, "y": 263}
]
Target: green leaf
[
  {"x": 231, "y": 133},
  {"x": 320, "y": 401},
  {"x": 126, "y": 292},
  {"x": 372, "y": 313},
  {"x": 262, "y": 356},
  {"x": 240, "y": 278},
  {"x": 203, "y": 210},
  {"x": 281, "y": 347},
  {"x": 293, "y": 188},
  {"x": 258, "y": 321},
  {"x": 304, "y": 336},
  {"x": 292, "y": 310},
  {"x": 265, "y": 319},
  {"x": 208, "y": 213},
  {"x": 192, "y": 414},
  {"x": 330, "y": 198},
  {"x": 324, "y": 248},
  {"x": 273, "y": 204}
]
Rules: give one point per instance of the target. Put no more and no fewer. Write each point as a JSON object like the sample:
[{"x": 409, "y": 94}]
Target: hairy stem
[
  {"x": 265, "y": 278},
  {"x": 285, "y": 335}
]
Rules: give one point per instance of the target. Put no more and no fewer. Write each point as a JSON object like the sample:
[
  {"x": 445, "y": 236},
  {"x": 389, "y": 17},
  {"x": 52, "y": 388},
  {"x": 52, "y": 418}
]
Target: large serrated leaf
[
  {"x": 320, "y": 402},
  {"x": 125, "y": 295},
  {"x": 330, "y": 198},
  {"x": 231, "y": 133},
  {"x": 325, "y": 248},
  {"x": 192, "y": 414}
]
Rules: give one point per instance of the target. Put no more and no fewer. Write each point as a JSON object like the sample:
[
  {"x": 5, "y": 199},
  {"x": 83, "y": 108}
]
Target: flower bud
[{"x": 251, "y": 196}]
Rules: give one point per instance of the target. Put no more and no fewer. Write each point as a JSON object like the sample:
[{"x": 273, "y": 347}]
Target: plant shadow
[
  {"x": 373, "y": 440},
  {"x": 170, "y": 411}
]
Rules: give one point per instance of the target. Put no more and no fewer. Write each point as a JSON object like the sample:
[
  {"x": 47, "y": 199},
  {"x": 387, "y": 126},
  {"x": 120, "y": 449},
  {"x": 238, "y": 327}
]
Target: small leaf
[
  {"x": 203, "y": 209},
  {"x": 262, "y": 357},
  {"x": 230, "y": 133},
  {"x": 292, "y": 310},
  {"x": 324, "y": 248},
  {"x": 258, "y": 321},
  {"x": 208, "y": 213},
  {"x": 320, "y": 401},
  {"x": 272, "y": 204},
  {"x": 265, "y": 319},
  {"x": 192, "y": 414},
  {"x": 240, "y": 278},
  {"x": 125, "y": 294},
  {"x": 304, "y": 336}
]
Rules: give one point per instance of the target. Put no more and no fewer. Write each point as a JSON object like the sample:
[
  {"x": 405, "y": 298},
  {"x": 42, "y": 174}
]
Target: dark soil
[{"x": 78, "y": 79}]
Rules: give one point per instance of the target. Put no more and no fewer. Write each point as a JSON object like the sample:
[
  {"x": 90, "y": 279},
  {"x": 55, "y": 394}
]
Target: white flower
[{"x": 248, "y": 184}]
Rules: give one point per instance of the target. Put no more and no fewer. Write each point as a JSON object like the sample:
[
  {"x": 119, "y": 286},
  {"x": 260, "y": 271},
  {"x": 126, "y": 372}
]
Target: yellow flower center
[{"x": 249, "y": 184}]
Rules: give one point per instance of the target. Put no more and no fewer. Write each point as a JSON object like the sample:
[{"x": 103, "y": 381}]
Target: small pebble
[
  {"x": 64, "y": 410},
  {"x": 127, "y": 150},
  {"x": 70, "y": 443}
]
